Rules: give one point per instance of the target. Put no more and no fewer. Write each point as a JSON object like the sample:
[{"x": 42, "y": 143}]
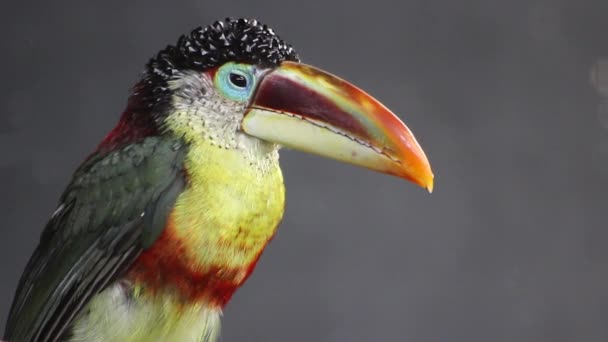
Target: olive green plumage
[{"x": 116, "y": 205}]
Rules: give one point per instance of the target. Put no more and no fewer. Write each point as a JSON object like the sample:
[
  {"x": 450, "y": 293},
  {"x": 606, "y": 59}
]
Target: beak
[{"x": 307, "y": 109}]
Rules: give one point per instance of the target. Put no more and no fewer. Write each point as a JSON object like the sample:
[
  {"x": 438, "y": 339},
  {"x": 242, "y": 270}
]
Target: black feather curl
[
  {"x": 242, "y": 40},
  {"x": 230, "y": 40}
]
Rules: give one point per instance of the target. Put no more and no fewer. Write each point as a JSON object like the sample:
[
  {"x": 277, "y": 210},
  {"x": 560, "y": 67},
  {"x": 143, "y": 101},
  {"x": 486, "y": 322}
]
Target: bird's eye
[
  {"x": 238, "y": 80},
  {"x": 235, "y": 81}
]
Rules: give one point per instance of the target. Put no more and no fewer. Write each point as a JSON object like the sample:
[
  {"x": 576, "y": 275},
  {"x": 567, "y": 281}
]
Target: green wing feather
[{"x": 116, "y": 205}]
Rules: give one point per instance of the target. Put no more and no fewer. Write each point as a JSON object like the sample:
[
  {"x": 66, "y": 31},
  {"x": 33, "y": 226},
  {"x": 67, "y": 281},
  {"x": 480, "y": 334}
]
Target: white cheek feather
[
  {"x": 253, "y": 148},
  {"x": 198, "y": 106},
  {"x": 200, "y": 112}
]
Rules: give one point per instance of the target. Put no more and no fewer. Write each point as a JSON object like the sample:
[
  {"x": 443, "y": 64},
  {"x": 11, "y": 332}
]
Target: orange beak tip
[{"x": 430, "y": 185}]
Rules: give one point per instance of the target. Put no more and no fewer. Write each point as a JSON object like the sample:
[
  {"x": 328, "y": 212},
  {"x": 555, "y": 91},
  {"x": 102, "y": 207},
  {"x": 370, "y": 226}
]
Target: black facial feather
[{"x": 231, "y": 40}]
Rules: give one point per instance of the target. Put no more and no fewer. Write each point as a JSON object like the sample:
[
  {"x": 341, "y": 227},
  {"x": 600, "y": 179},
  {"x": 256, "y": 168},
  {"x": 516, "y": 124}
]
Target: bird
[{"x": 170, "y": 213}]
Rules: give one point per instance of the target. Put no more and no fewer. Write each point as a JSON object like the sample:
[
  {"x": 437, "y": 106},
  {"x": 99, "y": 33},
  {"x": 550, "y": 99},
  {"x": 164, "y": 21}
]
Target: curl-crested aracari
[{"x": 168, "y": 217}]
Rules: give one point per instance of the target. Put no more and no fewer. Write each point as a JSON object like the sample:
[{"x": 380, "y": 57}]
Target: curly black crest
[
  {"x": 242, "y": 40},
  {"x": 230, "y": 40}
]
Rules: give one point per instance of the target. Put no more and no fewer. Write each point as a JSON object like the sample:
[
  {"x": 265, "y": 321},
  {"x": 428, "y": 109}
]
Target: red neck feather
[
  {"x": 165, "y": 267},
  {"x": 136, "y": 122}
]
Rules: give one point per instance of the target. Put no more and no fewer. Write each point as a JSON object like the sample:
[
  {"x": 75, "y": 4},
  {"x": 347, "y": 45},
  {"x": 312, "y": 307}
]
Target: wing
[{"x": 116, "y": 206}]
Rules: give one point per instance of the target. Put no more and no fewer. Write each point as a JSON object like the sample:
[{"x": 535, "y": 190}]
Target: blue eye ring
[{"x": 235, "y": 81}]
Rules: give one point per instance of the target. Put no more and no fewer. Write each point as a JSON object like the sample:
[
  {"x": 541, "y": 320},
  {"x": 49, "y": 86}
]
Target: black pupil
[{"x": 238, "y": 80}]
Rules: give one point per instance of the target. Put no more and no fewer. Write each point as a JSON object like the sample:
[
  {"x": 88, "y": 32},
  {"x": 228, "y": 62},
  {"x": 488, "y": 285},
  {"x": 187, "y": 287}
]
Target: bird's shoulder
[
  {"x": 115, "y": 205},
  {"x": 115, "y": 186}
]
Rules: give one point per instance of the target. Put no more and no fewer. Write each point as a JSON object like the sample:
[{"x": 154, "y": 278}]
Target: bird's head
[{"x": 236, "y": 82}]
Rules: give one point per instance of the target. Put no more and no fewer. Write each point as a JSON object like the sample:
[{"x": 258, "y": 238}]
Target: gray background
[{"x": 510, "y": 247}]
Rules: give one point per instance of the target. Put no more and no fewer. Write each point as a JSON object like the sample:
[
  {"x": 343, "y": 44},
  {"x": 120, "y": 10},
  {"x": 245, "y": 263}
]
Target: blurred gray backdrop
[{"x": 504, "y": 96}]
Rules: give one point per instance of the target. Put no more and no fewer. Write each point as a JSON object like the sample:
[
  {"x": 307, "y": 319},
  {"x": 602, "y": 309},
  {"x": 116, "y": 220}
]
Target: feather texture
[{"x": 116, "y": 205}]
